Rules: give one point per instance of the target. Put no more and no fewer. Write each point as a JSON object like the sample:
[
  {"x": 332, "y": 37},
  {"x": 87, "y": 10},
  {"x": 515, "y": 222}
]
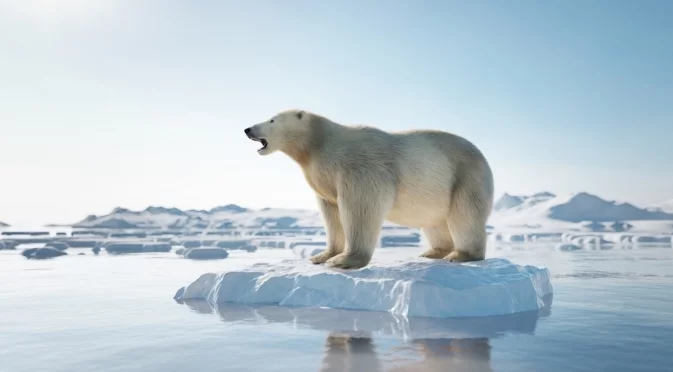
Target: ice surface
[
  {"x": 61, "y": 246},
  {"x": 139, "y": 247},
  {"x": 567, "y": 247},
  {"x": 425, "y": 288},
  {"x": 307, "y": 251}
]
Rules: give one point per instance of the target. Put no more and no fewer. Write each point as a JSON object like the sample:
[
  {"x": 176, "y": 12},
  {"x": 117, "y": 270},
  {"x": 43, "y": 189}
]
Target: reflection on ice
[{"x": 357, "y": 323}]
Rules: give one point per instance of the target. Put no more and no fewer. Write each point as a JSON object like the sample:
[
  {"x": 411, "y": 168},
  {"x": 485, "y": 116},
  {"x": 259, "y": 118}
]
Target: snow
[
  {"x": 578, "y": 211},
  {"x": 507, "y": 201},
  {"x": 666, "y": 206},
  {"x": 226, "y": 216},
  {"x": 425, "y": 288}
]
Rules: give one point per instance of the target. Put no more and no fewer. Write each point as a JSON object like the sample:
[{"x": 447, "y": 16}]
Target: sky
[{"x": 134, "y": 103}]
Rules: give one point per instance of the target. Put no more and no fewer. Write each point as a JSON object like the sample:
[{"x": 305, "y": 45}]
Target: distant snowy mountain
[
  {"x": 228, "y": 216},
  {"x": 666, "y": 207},
  {"x": 548, "y": 210},
  {"x": 542, "y": 210},
  {"x": 233, "y": 208},
  {"x": 583, "y": 206},
  {"x": 508, "y": 201}
]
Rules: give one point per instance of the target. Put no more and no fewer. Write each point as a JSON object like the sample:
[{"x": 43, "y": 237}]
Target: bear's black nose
[{"x": 247, "y": 130}]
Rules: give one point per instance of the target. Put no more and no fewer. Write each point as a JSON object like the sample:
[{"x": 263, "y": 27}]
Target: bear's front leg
[
  {"x": 335, "y": 232},
  {"x": 362, "y": 212}
]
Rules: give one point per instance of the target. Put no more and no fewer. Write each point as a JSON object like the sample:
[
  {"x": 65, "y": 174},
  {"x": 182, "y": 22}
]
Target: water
[{"x": 612, "y": 311}]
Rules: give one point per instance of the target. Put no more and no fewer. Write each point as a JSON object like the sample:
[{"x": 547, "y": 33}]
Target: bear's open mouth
[{"x": 262, "y": 140}]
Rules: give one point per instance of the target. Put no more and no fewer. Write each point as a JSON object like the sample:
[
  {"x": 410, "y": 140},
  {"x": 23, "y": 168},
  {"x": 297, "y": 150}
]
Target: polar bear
[{"x": 362, "y": 176}]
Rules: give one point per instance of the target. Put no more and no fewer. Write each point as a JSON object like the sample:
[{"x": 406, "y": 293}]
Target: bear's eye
[{"x": 271, "y": 121}]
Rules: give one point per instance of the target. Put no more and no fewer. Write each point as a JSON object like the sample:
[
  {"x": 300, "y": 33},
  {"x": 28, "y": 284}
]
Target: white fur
[{"x": 362, "y": 176}]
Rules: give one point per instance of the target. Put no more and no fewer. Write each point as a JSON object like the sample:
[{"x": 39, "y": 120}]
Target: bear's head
[{"x": 285, "y": 132}]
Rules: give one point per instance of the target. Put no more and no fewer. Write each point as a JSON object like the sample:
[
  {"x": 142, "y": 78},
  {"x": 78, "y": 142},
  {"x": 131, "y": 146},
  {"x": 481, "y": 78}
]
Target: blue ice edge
[{"x": 420, "y": 288}]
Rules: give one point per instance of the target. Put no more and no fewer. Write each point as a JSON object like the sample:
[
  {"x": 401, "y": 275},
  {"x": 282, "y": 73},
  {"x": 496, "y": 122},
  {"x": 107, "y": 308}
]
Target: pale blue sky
[{"x": 137, "y": 103}]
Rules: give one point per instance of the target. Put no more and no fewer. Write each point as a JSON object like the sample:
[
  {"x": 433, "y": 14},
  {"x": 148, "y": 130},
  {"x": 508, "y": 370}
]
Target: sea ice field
[{"x": 610, "y": 311}]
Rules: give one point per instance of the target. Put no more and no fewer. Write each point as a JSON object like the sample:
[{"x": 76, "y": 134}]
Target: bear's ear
[{"x": 300, "y": 114}]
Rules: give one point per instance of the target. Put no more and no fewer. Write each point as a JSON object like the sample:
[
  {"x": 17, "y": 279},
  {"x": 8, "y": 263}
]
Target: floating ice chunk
[
  {"x": 249, "y": 248},
  {"x": 120, "y": 248},
  {"x": 594, "y": 241},
  {"x": 191, "y": 243},
  {"x": 615, "y": 238},
  {"x": 400, "y": 240},
  {"x": 42, "y": 253},
  {"x": 662, "y": 239},
  {"x": 427, "y": 288},
  {"x": 513, "y": 238},
  {"x": 232, "y": 244},
  {"x": 157, "y": 247},
  {"x": 567, "y": 247},
  {"x": 206, "y": 253},
  {"x": 140, "y": 247}
]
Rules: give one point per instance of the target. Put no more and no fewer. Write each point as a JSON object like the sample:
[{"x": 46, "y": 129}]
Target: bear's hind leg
[
  {"x": 460, "y": 256},
  {"x": 335, "y": 232},
  {"x": 441, "y": 243},
  {"x": 469, "y": 211}
]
